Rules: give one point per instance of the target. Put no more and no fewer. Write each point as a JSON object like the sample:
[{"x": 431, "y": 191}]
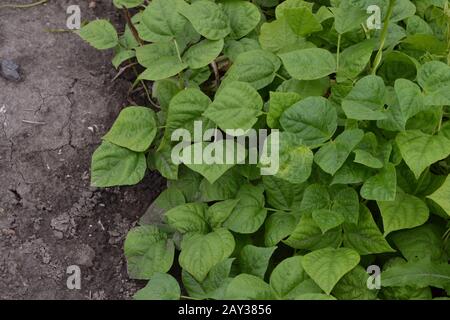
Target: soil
[{"x": 50, "y": 123}]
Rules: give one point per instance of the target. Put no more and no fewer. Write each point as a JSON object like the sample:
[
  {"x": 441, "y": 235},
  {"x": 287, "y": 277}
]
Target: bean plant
[{"x": 358, "y": 92}]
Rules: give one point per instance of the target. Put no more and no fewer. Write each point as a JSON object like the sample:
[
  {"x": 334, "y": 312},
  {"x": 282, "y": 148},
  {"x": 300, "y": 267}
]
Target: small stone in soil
[
  {"x": 9, "y": 70},
  {"x": 85, "y": 256}
]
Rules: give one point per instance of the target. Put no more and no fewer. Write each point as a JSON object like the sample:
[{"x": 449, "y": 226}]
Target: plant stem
[
  {"x": 180, "y": 75},
  {"x": 23, "y": 6},
  {"x": 188, "y": 298},
  {"x": 440, "y": 123},
  {"x": 338, "y": 52},
  {"x": 281, "y": 77},
  {"x": 366, "y": 32},
  {"x": 178, "y": 50},
  {"x": 216, "y": 73},
  {"x": 131, "y": 26},
  {"x": 384, "y": 33}
]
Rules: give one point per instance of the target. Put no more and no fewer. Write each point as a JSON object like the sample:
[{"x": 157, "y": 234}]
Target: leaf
[
  {"x": 302, "y": 20},
  {"x": 189, "y": 217},
  {"x": 346, "y": 202},
  {"x": 211, "y": 159},
  {"x": 279, "y": 102},
  {"x": 249, "y": 214},
  {"x": 244, "y": 17},
  {"x": 185, "y": 108},
  {"x": 442, "y": 196},
  {"x": 278, "y": 37},
  {"x": 215, "y": 284},
  {"x": 200, "y": 253},
  {"x": 405, "y": 212},
  {"x": 314, "y": 119},
  {"x": 365, "y": 237},
  {"x": 410, "y": 102},
  {"x": 203, "y": 53},
  {"x": 397, "y": 65},
  {"x": 164, "y": 91},
  {"x": 208, "y": 19},
  {"x": 161, "y": 22},
  {"x": 416, "y": 25},
  {"x": 421, "y": 243},
  {"x": 161, "y": 286},
  {"x": 170, "y": 198},
  {"x": 381, "y": 187},
  {"x": 188, "y": 182},
  {"x": 237, "y": 106},
  {"x": 295, "y": 159},
  {"x": 167, "y": 200},
  {"x": 424, "y": 43},
  {"x": 418, "y": 274},
  {"x": 219, "y": 212},
  {"x": 127, "y": 3},
  {"x": 148, "y": 251},
  {"x": 371, "y": 152},
  {"x": 160, "y": 59},
  {"x": 116, "y": 166},
  {"x": 307, "y": 235},
  {"x": 351, "y": 173},
  {"x": 333, "y": 155},
  {"x": 309, "y": 64},
  {"x": 282, "y": 194},
  {"x": 162, "y": 161},
  {"x": 226, "y": 187},
  {"x": 233, "y": 48},
  {"x": 100, "y": 34},
  {"x": 316, "y": 196},
  {"x": 289, "y": 280},
  {"x": 434, "y": 78},
  {"x": 354, "y": 59},
  {"x": 255, "y": 260},
  {"x": 348, "y": 19},
  {"x": 327, "y": 219},
  {"x": 327, "y": 266},
  {"x": 278, "y": 226},
  {"x": 134, "y": 129},
  {"x": 248, "y": 287},
  {"x": 420, "y": 150},
  {"x": 314, "y": 296},
  {"x": 281, "y": 9},
  {"x": 256, "y": 67},
  {"x": 306, "y": 88},
  {"x": 403, "y": 9},
  {"x": 353, "y": 286},
  {"x": 366, "y": 100},
  {"x": 122, "y": 56}
]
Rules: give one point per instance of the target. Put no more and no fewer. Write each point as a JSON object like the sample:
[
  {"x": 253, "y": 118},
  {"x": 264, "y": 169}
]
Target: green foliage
[{"x": 364, "y": 147}]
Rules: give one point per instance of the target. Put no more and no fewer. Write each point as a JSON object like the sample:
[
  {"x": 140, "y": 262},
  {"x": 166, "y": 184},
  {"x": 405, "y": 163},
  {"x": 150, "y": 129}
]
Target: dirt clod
[
  {"x": 9, "y": 70},
  {"x": 84, "y": 256}
]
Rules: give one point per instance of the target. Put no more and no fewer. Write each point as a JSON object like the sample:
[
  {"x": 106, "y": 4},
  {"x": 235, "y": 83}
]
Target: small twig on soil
[
  {"x": 58, "y": 30},
  {"x": 131, "y": 26},
  {"x": 34, "y": 122},
  {"x": 122, "y": 70},
  {"x": 23, "y": 6},
  {"x": 131, "y": 101},
  {"x": 149, "y": 97}
]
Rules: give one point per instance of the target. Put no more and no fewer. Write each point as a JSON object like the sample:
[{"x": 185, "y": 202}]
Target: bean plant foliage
[{"x": 364, "y": 159}]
